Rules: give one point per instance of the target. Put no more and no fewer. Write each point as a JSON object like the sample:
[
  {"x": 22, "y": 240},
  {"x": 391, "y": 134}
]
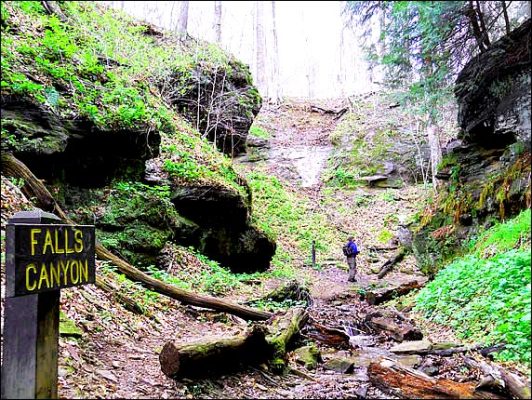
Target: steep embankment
[
  {"x": 91, "y": 102},
  {"x": 485, "y": 294}
]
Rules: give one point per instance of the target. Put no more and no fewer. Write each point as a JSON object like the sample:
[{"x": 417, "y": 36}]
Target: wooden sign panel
[{"x": 50, "y": 257}]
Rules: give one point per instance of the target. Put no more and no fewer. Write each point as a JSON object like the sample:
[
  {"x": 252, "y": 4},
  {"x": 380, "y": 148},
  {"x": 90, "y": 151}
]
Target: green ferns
[{"x": 485, "y": 295}]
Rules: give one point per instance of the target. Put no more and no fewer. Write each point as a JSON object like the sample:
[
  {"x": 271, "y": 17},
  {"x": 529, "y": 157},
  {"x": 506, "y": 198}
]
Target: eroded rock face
[
  {"x": 487, "y": 169},
  {"x": 224, "y": 99},
  {"x": 227, "y": 235},
  {"x": 493, "y": 92},
  {"x": 73, "y": 151}
]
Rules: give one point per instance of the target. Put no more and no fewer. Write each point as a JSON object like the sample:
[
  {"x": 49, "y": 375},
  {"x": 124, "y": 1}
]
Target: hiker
[{"x": 350, "y": 251}]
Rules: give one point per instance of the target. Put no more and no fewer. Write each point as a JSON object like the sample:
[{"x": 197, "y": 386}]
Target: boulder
[
  {"x": 227, "y": 234},
  {"x": 340, "y": 365}
]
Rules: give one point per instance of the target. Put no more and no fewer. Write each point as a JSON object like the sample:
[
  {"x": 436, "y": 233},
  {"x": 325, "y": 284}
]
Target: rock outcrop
[
  {"x": 227, "y": 234},
  {"x": 487, "y": 169},
  {"x": 224, "y": 100},
  {"x": 493, "y": 92},
  {"x": 73, "y": 150}
]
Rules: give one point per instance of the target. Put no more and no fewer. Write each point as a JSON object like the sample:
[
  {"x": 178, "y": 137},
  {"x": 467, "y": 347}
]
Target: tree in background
[
  {"x": 424, "y": 44},
  {"x": 276, "y": 94},
  {"x": 182, "y": 19},
  {"x": 218, "y": 21},
  {"x": 260, "y": 46}
]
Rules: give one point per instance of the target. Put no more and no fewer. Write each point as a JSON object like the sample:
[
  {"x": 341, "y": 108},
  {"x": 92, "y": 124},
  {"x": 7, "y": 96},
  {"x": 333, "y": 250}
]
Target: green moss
[
  {"x": 259, "y": 132},
  {"x": 384, "y": 236},
  {"x": 448, "y": 160},
  {"x": 67, "y": 327}
]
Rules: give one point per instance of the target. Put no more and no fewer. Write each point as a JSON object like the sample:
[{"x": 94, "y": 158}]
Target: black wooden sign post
[{"x": 42, "y": 256}]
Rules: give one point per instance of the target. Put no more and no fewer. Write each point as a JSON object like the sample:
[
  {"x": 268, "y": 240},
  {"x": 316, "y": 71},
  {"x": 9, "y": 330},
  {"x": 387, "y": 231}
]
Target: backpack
[{"x": 347, "y": 250}]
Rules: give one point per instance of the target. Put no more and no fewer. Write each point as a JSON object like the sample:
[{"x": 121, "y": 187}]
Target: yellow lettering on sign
[
  {"x": 64, "y": 268},
  {"x": 44, "y": 277},
  {"x": 68, "y": 250},
  {"x": 30, "y": 266},
  {"x": 57, "y": 249},
  {"x": 78, "y": 238},
  {"x": 74, "y": 268},
  {"x": 84, "y": 271},
  {"x": 34, "y": 241},
  {"x": 48, "y": 243},
  {"x": 55, "y": 275}
]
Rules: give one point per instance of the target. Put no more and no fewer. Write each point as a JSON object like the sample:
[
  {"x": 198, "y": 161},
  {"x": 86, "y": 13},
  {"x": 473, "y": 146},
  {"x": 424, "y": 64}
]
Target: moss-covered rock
[
  {"x": 139, "y": 219},
  {"x": 97, "y": 116},
  {"x": 309, "y": 356}
]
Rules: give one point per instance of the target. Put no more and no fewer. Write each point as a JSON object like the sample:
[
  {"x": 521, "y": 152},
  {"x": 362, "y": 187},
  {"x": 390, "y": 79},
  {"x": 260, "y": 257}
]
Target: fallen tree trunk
[
  {"x": 389, "y": 264},
  {"x": 33, "y": 187},
  {"x": 381, "y": 295},
  {"x": 382, "y": 248},
  {"x": 281, "y": 331},
  {"x": 213, "y": 355},
  {"x": 395, "y": 379},
  {"x": 444, "y": 349},
  {"x": 326, "y": 335},
  {"x": 497, "y": 377}
]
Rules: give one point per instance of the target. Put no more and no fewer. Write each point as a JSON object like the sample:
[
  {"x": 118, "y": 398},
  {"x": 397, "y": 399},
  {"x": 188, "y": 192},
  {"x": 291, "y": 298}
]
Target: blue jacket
[{"x": 353, "y": 247}]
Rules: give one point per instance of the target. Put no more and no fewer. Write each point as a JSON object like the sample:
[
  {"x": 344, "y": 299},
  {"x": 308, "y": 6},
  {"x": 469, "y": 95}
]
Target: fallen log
[
  {"x": 382, "y": 248},
  {"x": 497, "y": 377},
  {"x": 393, "y": 378},
  {"x": 381, "y": 295},
  {"x": 33, "y": 187},
  {"x": 441, "y": 349},
  {"x": 329, "y": 336},
  {"x": 390, "y": 263},
  {"x": 214, "y": 355},
  {"x": 280, "y": 333}
]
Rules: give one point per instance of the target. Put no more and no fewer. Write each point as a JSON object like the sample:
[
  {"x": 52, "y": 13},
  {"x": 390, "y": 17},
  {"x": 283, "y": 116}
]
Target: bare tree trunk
[
  {"x": 435, "y": 148},
  {"x": 260, "y": 47},
  {"x": 218, "y": 21},
  {"x": 276, "y": 84},
  {"x": 506, "y": 19},
  {"x": 182, "y": 21},
  {"x": 473, "y": 21},
  {"x": 485, "y": 33}
]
